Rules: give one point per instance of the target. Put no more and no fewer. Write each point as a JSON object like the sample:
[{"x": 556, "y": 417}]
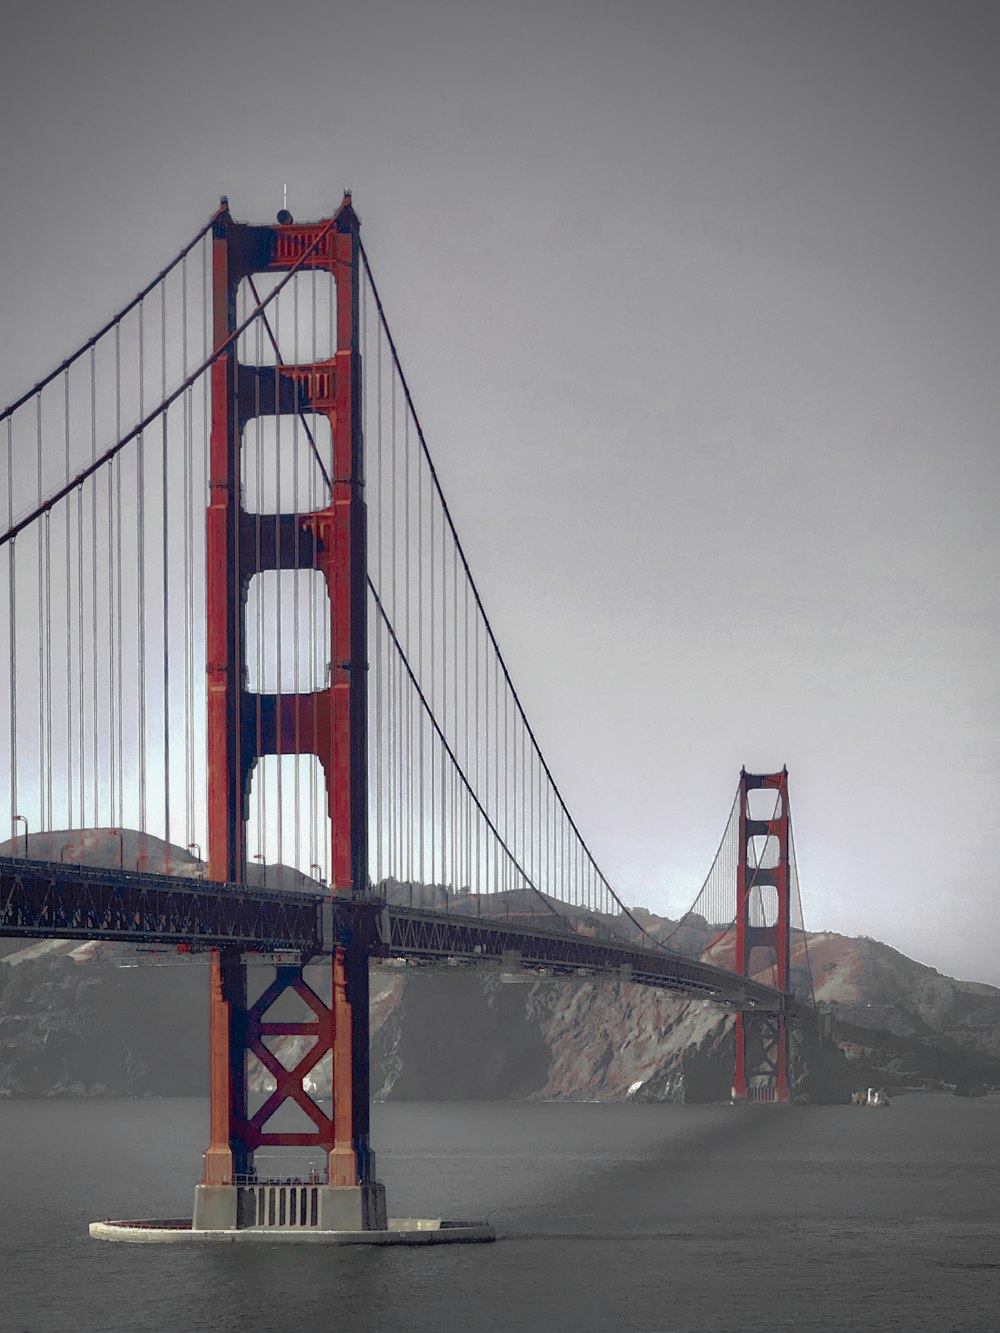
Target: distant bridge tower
[
  {"x": 763, "y": 922},
  {"x": 329, "y": 722}
]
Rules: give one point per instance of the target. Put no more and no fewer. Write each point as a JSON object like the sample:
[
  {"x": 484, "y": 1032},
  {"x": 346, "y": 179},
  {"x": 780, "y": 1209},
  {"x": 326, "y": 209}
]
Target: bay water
[{"x": 634, "y": 1217}]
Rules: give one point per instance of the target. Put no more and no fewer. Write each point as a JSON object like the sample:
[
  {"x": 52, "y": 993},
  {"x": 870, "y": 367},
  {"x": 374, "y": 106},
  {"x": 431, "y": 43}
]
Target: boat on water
[{"x": 870, "y": 1097}]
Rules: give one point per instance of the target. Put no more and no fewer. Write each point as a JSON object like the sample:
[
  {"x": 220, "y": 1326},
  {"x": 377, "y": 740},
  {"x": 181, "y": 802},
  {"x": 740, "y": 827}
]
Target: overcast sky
[{"x": 700, "y": 304}]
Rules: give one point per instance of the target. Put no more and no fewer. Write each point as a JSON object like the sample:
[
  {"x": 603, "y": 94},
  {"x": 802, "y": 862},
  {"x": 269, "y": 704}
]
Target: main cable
[
  {"x": 114, "y": 320},
  {"x": 44, "y": 506}
]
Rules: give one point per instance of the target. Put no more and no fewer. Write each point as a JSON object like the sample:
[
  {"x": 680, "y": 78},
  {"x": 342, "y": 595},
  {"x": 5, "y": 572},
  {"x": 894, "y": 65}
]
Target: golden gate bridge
[{"x": 237, "y": 616}]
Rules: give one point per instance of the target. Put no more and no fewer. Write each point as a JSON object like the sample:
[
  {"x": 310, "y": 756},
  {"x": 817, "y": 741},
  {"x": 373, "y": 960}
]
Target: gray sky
[{"x": 699, "y": 302}]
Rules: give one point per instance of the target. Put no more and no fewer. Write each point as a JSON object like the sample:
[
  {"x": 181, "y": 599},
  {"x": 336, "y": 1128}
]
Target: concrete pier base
[
  {"x": 399, "y": 1231},
  {"x": 291, "y": 1205},
  {"x": 269, "y": 1212}
]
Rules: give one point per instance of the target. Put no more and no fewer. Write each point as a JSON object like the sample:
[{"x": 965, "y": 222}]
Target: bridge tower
[
  {"x": 763, "y": 921},
  {"x": 329, "y": 723}
]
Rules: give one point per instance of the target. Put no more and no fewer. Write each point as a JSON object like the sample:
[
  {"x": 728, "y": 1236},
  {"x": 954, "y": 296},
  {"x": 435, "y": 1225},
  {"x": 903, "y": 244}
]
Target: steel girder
[
  {"x": 42, "y": 899},
  {"x": 411, "y": 933}
]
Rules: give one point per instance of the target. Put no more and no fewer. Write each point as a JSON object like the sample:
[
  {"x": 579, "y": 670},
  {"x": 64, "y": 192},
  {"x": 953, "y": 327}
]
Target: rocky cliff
[
  {"x": 108, "y": 1021},
  {"x": 476, "y": 1034}
]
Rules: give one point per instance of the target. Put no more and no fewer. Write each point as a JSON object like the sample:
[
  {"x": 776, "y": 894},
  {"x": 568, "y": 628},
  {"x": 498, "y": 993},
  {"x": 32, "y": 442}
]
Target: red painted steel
[
  {"x": 329, "y": 723},
  {"x": 225, "y": 842},
  {"x": 762, "y": 1039}
]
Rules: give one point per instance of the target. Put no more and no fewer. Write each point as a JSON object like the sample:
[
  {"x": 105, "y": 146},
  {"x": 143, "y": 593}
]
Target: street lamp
[
  {"x": 66, "y": 847},
  {"x": 13, "y": 821},
  {"x": 116, "y": 833},
  {"x": 196, "y": 847},
  {"x": 319, "y": 873},
  {"x": 259, "y": 857}
]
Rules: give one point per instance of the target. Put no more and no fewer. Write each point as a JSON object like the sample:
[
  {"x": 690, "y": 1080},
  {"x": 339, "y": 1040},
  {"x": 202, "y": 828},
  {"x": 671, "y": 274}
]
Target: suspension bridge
[{"x": 238, "y": 617}]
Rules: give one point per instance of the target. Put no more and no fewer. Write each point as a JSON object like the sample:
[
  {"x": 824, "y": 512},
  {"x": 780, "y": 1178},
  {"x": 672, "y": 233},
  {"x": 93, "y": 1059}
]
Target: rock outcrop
[{"x": 113, "y": 1024}]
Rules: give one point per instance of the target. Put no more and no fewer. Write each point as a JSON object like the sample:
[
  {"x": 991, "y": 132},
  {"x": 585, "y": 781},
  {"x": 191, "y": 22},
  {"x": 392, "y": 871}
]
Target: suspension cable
[
  {"x": 115, "y": 319},
  {"x": 457, "y": 767},
  {"x": 44, "y": 506},
  {"x": 479, "y": 603}
]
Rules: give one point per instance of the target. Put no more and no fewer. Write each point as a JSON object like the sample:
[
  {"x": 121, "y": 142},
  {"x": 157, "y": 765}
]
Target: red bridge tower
[
  {"x": 329, "y": 723},
  {"x": 763, "y": 921}
]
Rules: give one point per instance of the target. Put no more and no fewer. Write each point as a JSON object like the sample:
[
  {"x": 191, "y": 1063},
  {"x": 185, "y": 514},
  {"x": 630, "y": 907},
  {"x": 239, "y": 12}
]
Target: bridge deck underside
[{"x": 40, "y": 899}]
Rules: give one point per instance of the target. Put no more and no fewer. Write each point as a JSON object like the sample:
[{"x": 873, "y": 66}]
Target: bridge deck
[{"x": 43, "y": 899}]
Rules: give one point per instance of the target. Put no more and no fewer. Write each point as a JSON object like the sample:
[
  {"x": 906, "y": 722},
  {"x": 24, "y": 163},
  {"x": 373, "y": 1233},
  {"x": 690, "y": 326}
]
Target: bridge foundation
[
  {"x": 400, "y": 1231},
  {"x": 302, "y": 1204}
]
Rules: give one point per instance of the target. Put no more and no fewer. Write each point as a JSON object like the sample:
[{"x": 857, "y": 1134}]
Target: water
[{"x": 650, "y": 1218}]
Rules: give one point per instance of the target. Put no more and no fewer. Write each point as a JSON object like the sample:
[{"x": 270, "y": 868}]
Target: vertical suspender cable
[
  {"x": 110, "y": 594},
  {"x": 187, "y": 408},
  {"x": 457, "y": 732},
  {"x": 447, "y": 691},
  {"x": 318, "y": 502},
  {"x": 432, "y": 774},
  {"x": 395, "y": 682},
  {"x": 48, "y": 669},
  {"x": 380, "y": 751},
  {"x": 69, "y": 618},
  {"x": 259, "y": 779},
  {"x": 420, "y": 652},
  {"x": 278, "y": 581},
  {"x": 94, "y": 693},
  {"x": 165, "y": 520},
  {"x": 117, "y": 712},
  {"x": 140, "y": 531},
  {"x": 477, "y": 738},
  {"x": 296, "y": 716},
  {"x": 80, "y": 649},
  {"x": 407, "y": 563},
  {"x": 41, "y": 629},
  {"x": 12, "y": 579},
  {"x": 206, "y": 408}
]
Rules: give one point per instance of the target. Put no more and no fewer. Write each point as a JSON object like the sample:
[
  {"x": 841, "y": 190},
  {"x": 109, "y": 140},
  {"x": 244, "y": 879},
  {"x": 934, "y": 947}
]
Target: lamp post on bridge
[
  {"x": 14, "y": 819},
  {"x": 117, "y": 833}
]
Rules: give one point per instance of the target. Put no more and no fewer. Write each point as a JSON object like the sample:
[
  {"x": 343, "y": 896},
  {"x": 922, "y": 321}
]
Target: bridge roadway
[{"x": 45, "y": 899}]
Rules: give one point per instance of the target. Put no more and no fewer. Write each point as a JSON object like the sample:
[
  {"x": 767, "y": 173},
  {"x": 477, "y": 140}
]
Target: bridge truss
[{"x": 41, "y": 899}]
